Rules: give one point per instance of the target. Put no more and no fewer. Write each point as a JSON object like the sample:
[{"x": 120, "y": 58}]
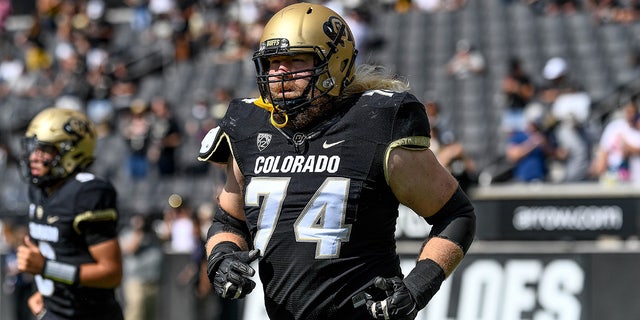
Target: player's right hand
[
  {"x": 29, "y": 257},
  {"x": 399, "y": 304},
  {"x": 230, "y": 273}
]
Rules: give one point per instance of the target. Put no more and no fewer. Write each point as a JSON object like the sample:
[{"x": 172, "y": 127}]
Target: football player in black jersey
[
  {"x": 72, "y": 247},
  {"x": 316, "y": 169}
]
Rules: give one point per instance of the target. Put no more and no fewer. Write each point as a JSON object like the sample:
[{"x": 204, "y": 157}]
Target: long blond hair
[{"x": 371, "y": 77}]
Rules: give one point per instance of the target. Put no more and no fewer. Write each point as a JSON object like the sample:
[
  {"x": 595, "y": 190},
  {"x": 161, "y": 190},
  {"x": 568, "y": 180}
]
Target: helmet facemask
[
  {"x": 292, "y": 106},
  {"x": 56, "y": 171}
]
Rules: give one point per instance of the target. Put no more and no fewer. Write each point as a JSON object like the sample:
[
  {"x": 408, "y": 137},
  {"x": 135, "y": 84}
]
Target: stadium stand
[{"x": 415, "y": 44}]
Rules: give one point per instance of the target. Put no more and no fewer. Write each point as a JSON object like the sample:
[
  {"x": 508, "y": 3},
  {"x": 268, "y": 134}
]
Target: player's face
[
  {"x": 289, "y": 75},
  {"x": 39, "y": 160}
]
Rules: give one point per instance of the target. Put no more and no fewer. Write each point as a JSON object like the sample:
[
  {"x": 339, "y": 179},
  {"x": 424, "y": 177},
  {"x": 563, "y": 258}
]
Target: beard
[{"x": 318, "y": 110}]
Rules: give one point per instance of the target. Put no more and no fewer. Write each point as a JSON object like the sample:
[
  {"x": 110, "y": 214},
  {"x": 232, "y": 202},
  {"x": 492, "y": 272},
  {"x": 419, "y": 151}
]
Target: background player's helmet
[
  {"x": 67, "y": 131},
  {"x": 307, "y": 28}
]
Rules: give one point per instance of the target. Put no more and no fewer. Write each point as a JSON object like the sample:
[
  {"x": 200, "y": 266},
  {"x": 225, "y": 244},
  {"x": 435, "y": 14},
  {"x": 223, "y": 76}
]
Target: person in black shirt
[
  {"x": 316, "y": 169},
  {"x": 72, "y": 247}
]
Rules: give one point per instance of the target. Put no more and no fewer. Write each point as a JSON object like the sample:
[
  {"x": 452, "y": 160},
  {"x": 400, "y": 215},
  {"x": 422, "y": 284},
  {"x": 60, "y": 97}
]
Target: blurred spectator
[
  {"x": 161, "y": 8},
  {"x": 529, "y": 150},
  {"x": 94, "y": 24},
  {"x": 570, "y": 112},
  {"x": 183, "y": 42},
  {"x": 4, "y": 157},
  {"x": 204, "y": 214},
  {"x": 221, "y": 98},
  {"x": 166, "y": 137},
  {"x": 574, "y": 151},
  {"x": 141, "y": 19},
  {"x": 448, "y": 150},
  {"x": 235, "y": 46},
  {"x": 615, "y": 11},
  {"x": 611, "y": 161},
  {"x": 143, "y": 256},
  {"x": 208, "y": 305},
  {"x": 569, "y": 108},
  {"x": 427, "y": 5},
  {"x": 518, "y": 91},
  {"x": 124, "y": 86},
  {"x": 11, "y": 68},
  {"x": 109, "y": 164},
  {"x": 5, "y": 12},
  {"x": 631, "y": 145},
  {"x": 17, "y": 285},
  {"x": 438, "y": 5},
  {"x": 136, "y": 131},
  {"x": 70, "y": 78},
  {"x": 195, "y": 128},
  {"x": 562, "y": 6},
  {"x": 360, "y": 21},
  {"x": 36, "y": 56},
  {"x": 557, "y": 81},
  {"x": 98, "y": 100},
  {"x": 438, "y": 119},
  {"x": 466, "y": 61},
  {"x": 184, "y": 236}
]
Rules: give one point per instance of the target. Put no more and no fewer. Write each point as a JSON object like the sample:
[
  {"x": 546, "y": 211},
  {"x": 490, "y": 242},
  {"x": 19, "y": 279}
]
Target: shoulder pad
[
  {"x": 85, "y": 176},
  {"x": 215, "y": 147},
  {"x": 387, "y": 98}
]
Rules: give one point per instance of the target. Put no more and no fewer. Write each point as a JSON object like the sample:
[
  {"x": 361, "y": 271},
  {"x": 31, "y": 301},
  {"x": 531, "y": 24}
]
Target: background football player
[
  {"x": 315, "y": 176},
  {"x": 72, "y": 246}
]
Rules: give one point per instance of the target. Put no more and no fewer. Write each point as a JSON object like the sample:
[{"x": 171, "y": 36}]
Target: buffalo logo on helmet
[
  {"x": 78, "y": 128},
  {"x": 335, "y": 29}
]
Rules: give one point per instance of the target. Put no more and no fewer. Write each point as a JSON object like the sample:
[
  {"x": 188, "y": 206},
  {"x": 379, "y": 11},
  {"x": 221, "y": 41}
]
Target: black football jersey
[
  {"x": 81, "y": 213},
  {"x": 317, "y": 203}
]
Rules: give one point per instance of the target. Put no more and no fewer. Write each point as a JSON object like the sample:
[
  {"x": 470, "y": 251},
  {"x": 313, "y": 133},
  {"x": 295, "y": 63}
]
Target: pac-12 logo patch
[{"x": 263, "y": 140}]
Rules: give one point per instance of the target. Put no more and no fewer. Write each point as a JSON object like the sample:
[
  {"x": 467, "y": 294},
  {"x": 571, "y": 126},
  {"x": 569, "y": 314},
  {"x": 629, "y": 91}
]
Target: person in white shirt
[{"x": 611, "y": 157}]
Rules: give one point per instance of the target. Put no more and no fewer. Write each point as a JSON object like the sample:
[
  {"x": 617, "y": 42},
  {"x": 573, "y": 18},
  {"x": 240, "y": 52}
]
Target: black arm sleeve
[
  {"x": 224, "y": 222},
  {"x": 455, "y": 221}
]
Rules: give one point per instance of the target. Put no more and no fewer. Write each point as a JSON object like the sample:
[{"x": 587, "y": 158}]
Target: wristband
[
  {"x": 219, "y": 250},
  {"x": 424, "y": 281},
  {"x": 61, "y": 272},
  {"x": 40, "y": 315},
  {"x": 226, "y": 247}
]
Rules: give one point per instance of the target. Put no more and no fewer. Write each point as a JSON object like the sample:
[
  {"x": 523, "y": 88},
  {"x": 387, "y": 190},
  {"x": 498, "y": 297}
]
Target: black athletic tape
[
  {"x": 455, "y": 221},
  {"x": 424, "y": 281},
  {"x": 224, "y": 222}
]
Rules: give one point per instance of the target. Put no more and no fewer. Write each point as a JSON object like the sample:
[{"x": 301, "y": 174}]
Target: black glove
[
  {"x": 399, "y": 304},
  {"x": 229, "y": 270},
  {"x": 402, "y": 298}
]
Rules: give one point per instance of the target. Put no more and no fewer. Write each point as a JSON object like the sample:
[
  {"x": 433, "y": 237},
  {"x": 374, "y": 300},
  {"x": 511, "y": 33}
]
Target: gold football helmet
[
  {"x": 311, "y": 29},
  {"x": 68, "y": 133}
]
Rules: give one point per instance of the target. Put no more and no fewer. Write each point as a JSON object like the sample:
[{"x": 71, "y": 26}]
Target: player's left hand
[
  {"x": 399, "y": 304},
  {"x": 36, "y": 305}
]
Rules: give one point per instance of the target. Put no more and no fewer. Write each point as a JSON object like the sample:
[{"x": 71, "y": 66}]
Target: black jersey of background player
[
  {"x": 317, "y": 202},
  {"x": 81, "y": 213}
]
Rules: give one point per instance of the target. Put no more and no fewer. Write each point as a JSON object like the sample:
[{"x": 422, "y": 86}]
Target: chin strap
[{"x": 260, "y": 102}]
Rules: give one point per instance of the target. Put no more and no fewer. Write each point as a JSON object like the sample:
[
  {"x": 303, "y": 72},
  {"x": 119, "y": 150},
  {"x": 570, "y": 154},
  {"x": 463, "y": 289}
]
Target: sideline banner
[
  {"x": 511, "y": 286},
  {"x": 580, "y": 211},
  {"x": 557, "y": 219}
]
